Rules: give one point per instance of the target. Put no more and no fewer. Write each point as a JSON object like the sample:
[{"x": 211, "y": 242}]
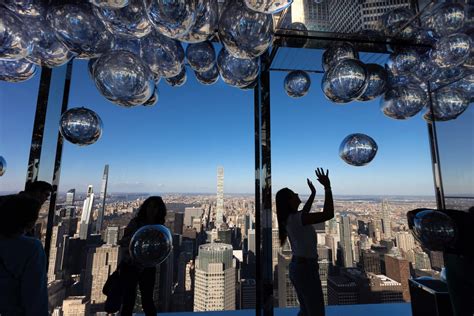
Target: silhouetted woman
[
  {"x": 152, "y": 212},
  {"x": 297, "y": 226},
  {"x": 23, "y": 289}
]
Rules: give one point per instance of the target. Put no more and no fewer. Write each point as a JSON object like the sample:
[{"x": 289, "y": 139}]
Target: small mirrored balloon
[
  {"x": 80, "y": 126},
  {"x": 377, "y": 77},
  {"x": 208, "y": 77},
  {"x": 403, "y": 101},
  {"x": 172, "y": 18},
  {"x": 297, "y": 83},
  {"x": 447, "y": 18},
  {"x": 110, "y": 4},
  {"x": 448, "y": 104},
  {"x": 179, "y": 80},
  {"x": 123, "y": 78},
  {"x": 394, "y": 18},
  {"x": 16, "y": 70},
  {"x": 236, "y": 72},
  {"x": 151, "y": 245},
  {"x": 295, "y": 28},
  {"x": 358, "y": 149},
  {"x": 434, "y": 230},
  {"x": 245, "y": 33},
  {"x": 131, "y": 20},
  {"x": 3, "y": 166},
  {"x": 14, "y": 40},
  {"x": 452, "y": 50},
  {"x": 207, "y": 18},
  {"x": 201, "y": 56},
  {"x": 338, "y": 52},
  {"x": 87, "y": 38},
  {"x": 268, "y": 6},
  {"x": 345, "y": 81},
  {"x": 403, "y": 62},
  {"x": 32, "y": 8},
  {"x": 152, "y": 100}
]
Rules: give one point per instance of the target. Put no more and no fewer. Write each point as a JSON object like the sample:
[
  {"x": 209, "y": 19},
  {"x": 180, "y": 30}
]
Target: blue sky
[{"x": 177, "y": 145}]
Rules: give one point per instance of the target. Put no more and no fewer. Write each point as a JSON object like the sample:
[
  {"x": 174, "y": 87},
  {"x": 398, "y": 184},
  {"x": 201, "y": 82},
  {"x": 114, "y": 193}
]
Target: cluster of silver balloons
[
  {"x": 80, "y": 126},
  {"x": 3, "y": 166},
  {"x": 151, "y": 245},
  {"x": 358, "y": 149},
  {"x": 434, "y": 230}
]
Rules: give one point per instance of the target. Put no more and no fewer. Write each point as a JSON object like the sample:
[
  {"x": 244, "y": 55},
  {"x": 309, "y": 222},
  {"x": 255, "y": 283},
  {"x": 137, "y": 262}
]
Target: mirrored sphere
[
  {"x": 396, "y": 17},
  {"x": 448, "y": 104},
  {"x": 207, "y": 18},
  {"x": 151, "y": 245},
  {"x": 447, "y": 18},
  {"x": 80, "y": 126},
  {"x": 466, "y": 84},
  {"x": 424, "y": 36},
  {"x": 345, "y": 81},
  {"x": 130, "y": 44},
  {"x": 358, "y": 149},
  {"x": 443, "y": 76},
  {"x": 236, "y": 72},
  {"x": 452, "y": 50},
  {"x": 3, "y": 166},
  {"x": 403, "y": 101},
  {"x": 401, "y": 31},
  {"x": 268, "y": 6},
  {"x": 123, "y": 78},
  {"x": 88, "y": 38},
  {"x": 208, "y": 77},
  {"x": 131, "y": 20},
  {"x": 295, "y": 28},
  {"x": 403, "y": 62},
  {"x": 405, "y": 79},
  {"x": 425, "y": 69},
  {"x": 250, "y": 86},
  {"x": 110, "y": 4},
  {"x": 377, "y": 82},
  {"x": 201, "y": 56},
  {"x": 152, "y": 100},
  {"x": 33, "y": 8},
  {"x": 434, "y": 230},
  {"x": 297, "y": 83},
  {"x": 163, "y": 55},
  {"x": 16, "y": 70},
  {"x": 338, "y": 52},
  {"x": 14, "y": 40},
  {"x": 172, "y": 18},
  {"x": 245, "y": 33},
  {"x": 179, "y": 80}
]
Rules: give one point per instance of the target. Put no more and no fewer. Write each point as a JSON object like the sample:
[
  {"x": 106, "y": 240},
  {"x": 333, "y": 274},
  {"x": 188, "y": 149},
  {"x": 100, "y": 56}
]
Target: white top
[{"x": 302, "y": 237}]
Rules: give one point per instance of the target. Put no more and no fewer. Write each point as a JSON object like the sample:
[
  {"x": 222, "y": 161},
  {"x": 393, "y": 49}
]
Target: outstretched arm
[
  {"x": 309, "y": 203},
  {"x": 328, "y": 209}
]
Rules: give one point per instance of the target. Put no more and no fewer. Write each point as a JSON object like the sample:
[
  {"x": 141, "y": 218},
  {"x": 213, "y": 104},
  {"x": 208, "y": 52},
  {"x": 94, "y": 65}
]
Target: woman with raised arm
[{"x": 297, "y": 226}]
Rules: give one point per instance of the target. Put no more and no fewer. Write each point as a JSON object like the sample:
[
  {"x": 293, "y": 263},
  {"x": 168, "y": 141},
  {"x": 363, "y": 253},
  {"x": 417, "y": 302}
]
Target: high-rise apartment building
[
  {"x": 220, "y": 197},
  {"x": 103, "y": 197},
  {"x": 86, "y": 216},
  {"x": 56, "y": 252},
  {"x": 190, "y": 213},
  {"x": 112, "y": 235},
  {"x": 70, "y": 197},
  {"x": 398, "y": 269},
  {"x": 386, "y": 221},
  {"x": 346, "y": 241},
  {"x": 370, "y": 261},
  {"x": 405, "y": 241},
  {"x": 251, "y": 241}
]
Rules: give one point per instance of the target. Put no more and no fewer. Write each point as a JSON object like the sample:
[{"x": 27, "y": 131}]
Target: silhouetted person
[
  {"x": 152, "y": 212},
  {"x": 39, "y": 190},
  {"x": 23, "y": 289},
  {"x": 297, "y": 226}
]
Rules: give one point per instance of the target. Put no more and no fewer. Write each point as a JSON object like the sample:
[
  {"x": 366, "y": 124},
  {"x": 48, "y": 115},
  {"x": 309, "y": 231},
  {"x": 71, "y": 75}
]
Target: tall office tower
[
  {"x": 286, "y": 292},
  {"x": 86, "y": 214},
  {"x": 363, "y": 228},
  {"x": 364, "y": 242},
  {"x": 75, "y": 306},
  {"x": 112, "y": 235},
  {"x": 315, "y": 16},
  {"x": 384, "y": 289},
  {"x": 251, "y": 241},
  {"x": 174, "y": 221},
  {"x": 422, "y": 260},
  {"x": 437, "y": 260},
  {"x": 331, "y": 242},
  {"x": 190, "y": 213},
  {"x": 370, "y": 262},
  {"x": 103, "y": 196},
  {"x": 70, "y": 196},
  {"x": 372, "y": 11},
  {"x": 56, "y": 251},
  {"x": 346, "y": 241},
  {"x": 345, "y": 16},
  {"x": 386, "y": 222},
  {"x": 325, "y": 268},
  {"x": 214, "y": 278},
  {"x": 332, "y": 226},
  {"x": 405, "y": 241},
  {"x": 225, "y": 236},
  {"x": 275, "y": 247},
  {"x": 248, "y": 294},
  {"x": 220, "y": 197},
  {"x": 374, "y": 226},
  {"x": 164, "y": 284},
  {"x": 342, "y": 291},
  {"x": 398, "y": 269}
]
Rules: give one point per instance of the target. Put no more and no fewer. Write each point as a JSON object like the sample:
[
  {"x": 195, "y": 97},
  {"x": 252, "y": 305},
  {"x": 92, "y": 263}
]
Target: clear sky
[{"x": 177, "y": 145}]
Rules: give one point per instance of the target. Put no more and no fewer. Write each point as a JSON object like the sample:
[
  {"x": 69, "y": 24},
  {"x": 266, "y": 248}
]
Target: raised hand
[
  {"x": 311, "y": 186},
  {"x": 323, "y": 178}
]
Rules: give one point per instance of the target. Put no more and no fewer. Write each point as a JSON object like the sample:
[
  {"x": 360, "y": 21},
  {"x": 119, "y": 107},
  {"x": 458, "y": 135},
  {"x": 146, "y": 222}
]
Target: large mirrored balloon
[
  {"x": 393, "y": 20},
  {"x": 236, "y": 72},
  {"x": 208, "y": 77},
  {"x": 123, "y": 78},
  {"x": 338, "y": 52},
  {"x": 345, "y": 81},
  {"x": 447, "y": 18},
  {"x": 434, "y": 230},
  {"x": 110, "y": 4},
  {"x": 16, "y": 70},
  {"x": 444, "y": 76},
  {"x": 179, "y": 80},
  {"x": 448, "y": 104},
  {"x": 164, "y": 56},
  {"x": 466, "y": 85},
  {"x": 33, "y": 8},
  {"x": 245, "y": 33},
  {"x": 377, "y": 77},
  {"x": 358, "y": 149},
  {"x": 403, "y": 101},
  {"x": 403, "y": 61},
  {"x": 129, "y": 44},
  {"x": 452, "y": 50},
  {"x": 3, "y": 166},
  {"x": 201, "y": 56},
  {"x": 80, "y": 126},
  {"x": 151, "y": 245},
  {"x": 172, "y": 18},
  {"x": 207, "y": 17},
  {"x": 79, "y": 29},
  {"x": 297, "y": 83},
  {"x": 250, "y": 86},
  {"x": 14, "y": 40},
  {"x": 295, "y": 28},
  {"x": 131, "y": 21},
  {"x": 268, "y": 6}
]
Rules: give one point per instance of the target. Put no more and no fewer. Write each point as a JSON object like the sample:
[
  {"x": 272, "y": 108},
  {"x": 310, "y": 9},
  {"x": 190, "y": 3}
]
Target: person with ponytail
[{"x": 297, "y": 226}]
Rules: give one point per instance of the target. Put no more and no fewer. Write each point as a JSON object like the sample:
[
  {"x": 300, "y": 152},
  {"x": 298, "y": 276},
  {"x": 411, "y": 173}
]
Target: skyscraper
[
  {"x": 86, "y": 213},
  {"x": 112, "y": 235},
  {"x": 103, "y": 196},
  {"x": 251, "y": 241},
  {"x": 372, "y": 11},
  {"x": 405, "y": 241},
  {"x": 346, "y": 242},
  {"x": 398, "y": 269},
  {"x": 220, "y": 196},
  {"x": 70, "y": 196},
  {"x": 248, "y": 294},
  {"x": 286, "y": 292},
  {"x": 315, "y": 16},
  {"x": 345, "y": 16},
  {"x": 370, "y": 261},
  {"x": 190, "y": 213},
  {"x": 387, "y": 226}
]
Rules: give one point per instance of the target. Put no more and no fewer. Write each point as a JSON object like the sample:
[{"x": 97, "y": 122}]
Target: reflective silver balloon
[
  {"x": 466, "y": 84},
  {"x": 16, "y": 70},
  {"x": 250, "y": 86},
  {"x": 268, "y": 6},
  {"x": 425, "y": 69},
  {"x": 405, "y": 79},
  {"x": 131, "y": 21},
  {"x": 393, "y": 20},
  {"x": 33, "y": 8},
  {"x": 434, "y": 230},
  {"x": 208, "y": 77},
  {"x": 88, "y": 38},
  {"x": 80, "y": 126},
  {"x": 358, "y": 149},
  {"x": 236, "y": 72},
  {"x": 110, "y": 4},
  {"x": 402, "y": 102},
  {"x": 448, "y": 104},
  {"x": 151, "y": 245},
  {"x": 14, "y": 40},
  {"x": 444, "y": 76},
  {"x": 152, "y": 100},
  {"x": 338, "y": 52},
  {"x": 452, "y": 50},
  {"x": 179, "y": 80},
  {"x": 164, "y": 56},
  {"x": 295, "y": 28},
  {"x": 207, "y": 17},
  {"x": 377, "y": 77},
  {"x": 345, "y": 81},
  {"x": 425, "y": 37},
  {"x": 297, "y": 83},
  {"x": 132, "y": 45},
  {"x": 123, "y": 78},
  {"x": 245, "y": 33},
  {"x": 172, "y": 18},
  {"x": 447, "y": 18},
  {"x": 403, "y": 62},
  {"x": 3, "y": 166},
  {"x": 201, "y": 56}
]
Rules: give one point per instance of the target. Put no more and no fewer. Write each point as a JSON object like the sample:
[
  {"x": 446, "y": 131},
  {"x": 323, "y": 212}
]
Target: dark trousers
[
  {"x": 131, "y": 276},
  {"x": 304, "y": 274}
]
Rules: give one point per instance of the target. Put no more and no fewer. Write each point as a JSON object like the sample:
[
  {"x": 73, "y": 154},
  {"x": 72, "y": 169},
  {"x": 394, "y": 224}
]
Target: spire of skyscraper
[
  {"x": 220, "y": 196},
  {"x": 103, "y": 196}
]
